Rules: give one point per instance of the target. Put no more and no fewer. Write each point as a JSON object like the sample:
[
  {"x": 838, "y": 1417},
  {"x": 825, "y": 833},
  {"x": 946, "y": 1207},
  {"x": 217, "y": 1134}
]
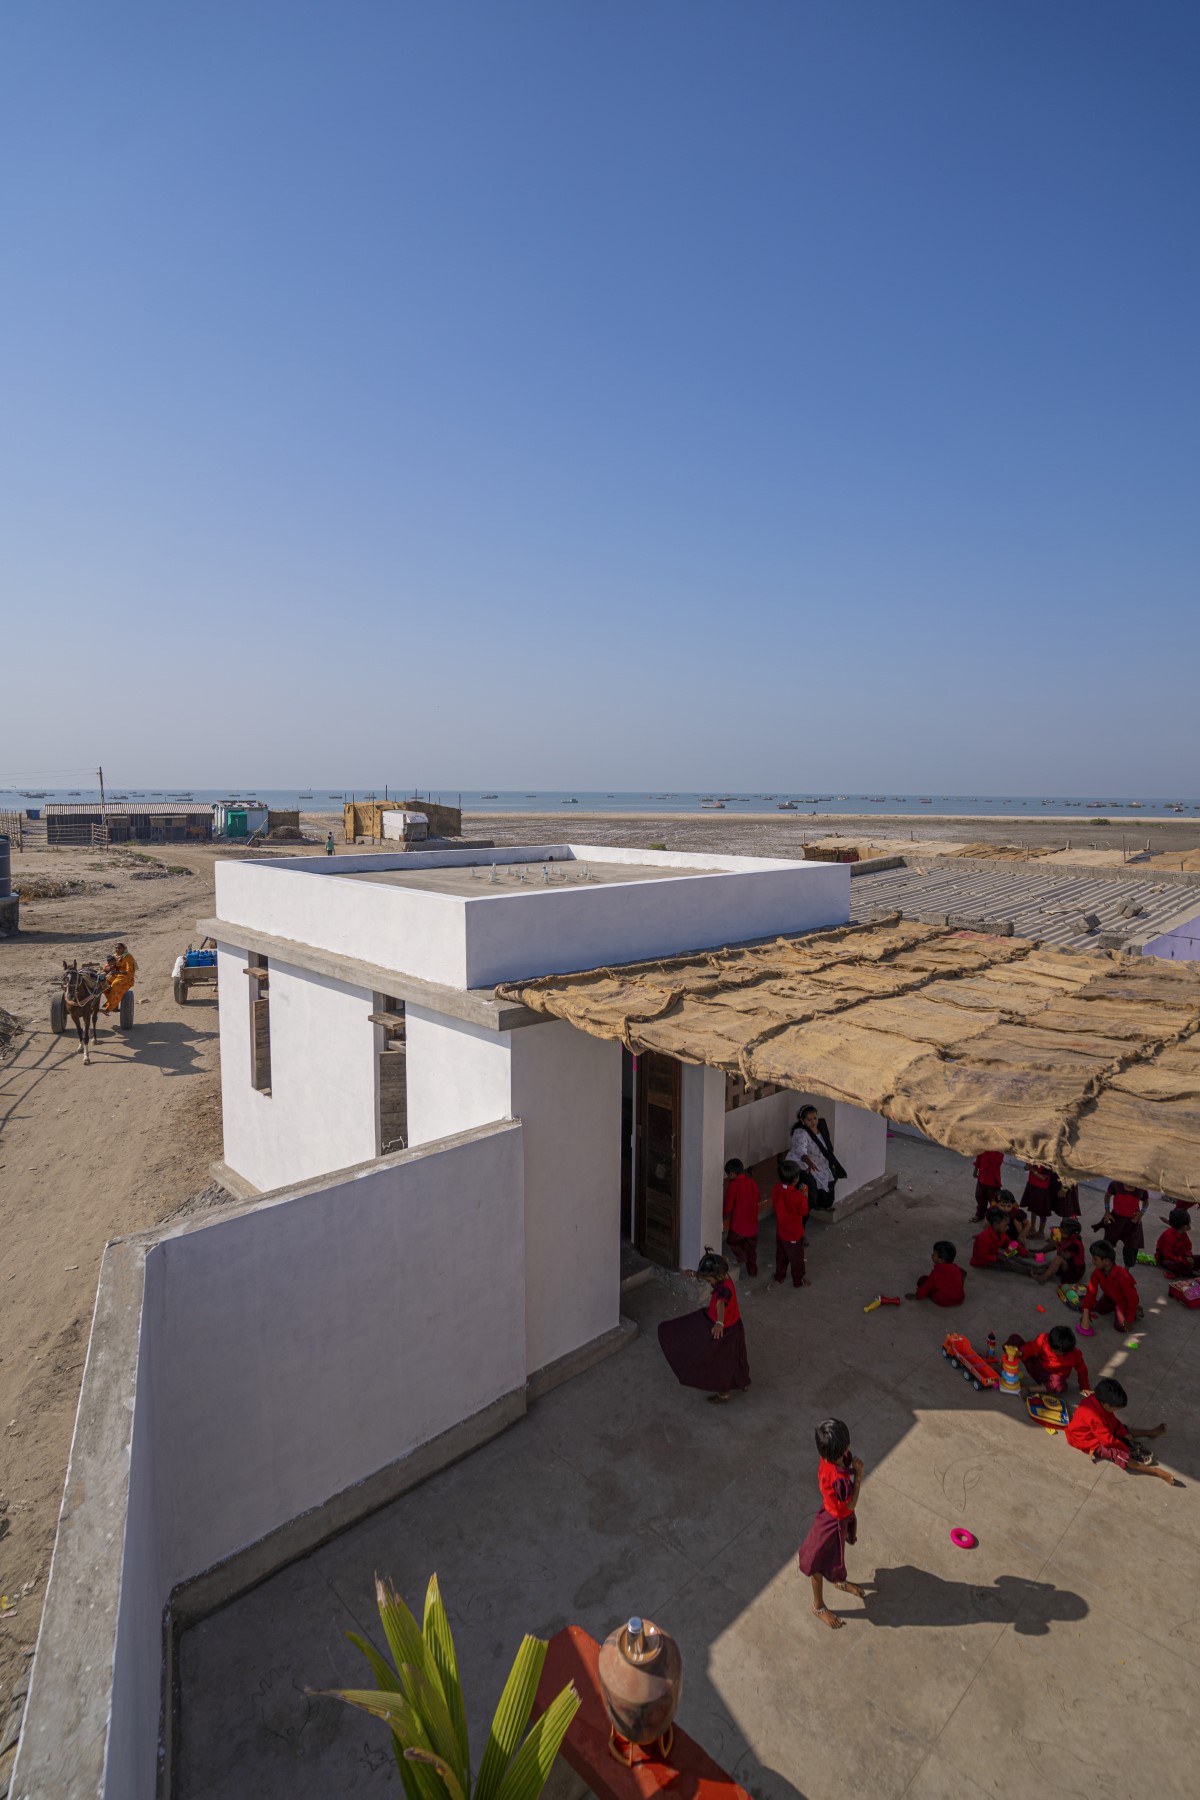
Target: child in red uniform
[
  {"x": 945, "y": 1282},
  {"x": 1096, "y": 1430},
  {"x": 1050, "y": 1358},
  {"x": 988, "y": 1166},
  {"x": 985, "y": 1252},
  {"x": 1016, "y": 1221},
  {"x": 1122, "y": 1221},
  {"x": 790, "y": 1199},
  {"x": 1066, "y": 1199},
  {"x": 1110, "y": 1290},
  {"x": 1068, "y": 1261},
  {"x": 740, "y": 1209},
  {"x": 823, "y": 1552},
  {"x": 1038, "y": 1197},
  {"x": 707, "y": 1348},
  {"x": 1173, "y": 1251}
]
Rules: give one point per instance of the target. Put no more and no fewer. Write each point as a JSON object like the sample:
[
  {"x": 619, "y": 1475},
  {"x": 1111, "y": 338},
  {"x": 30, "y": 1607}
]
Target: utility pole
[{"x": 103, "y": 812}]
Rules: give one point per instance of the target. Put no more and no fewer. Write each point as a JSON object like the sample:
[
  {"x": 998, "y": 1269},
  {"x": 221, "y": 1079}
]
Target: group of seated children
[
  {"x": 1049, "y": 1361},
  {"x": 791, "y": 1203}
]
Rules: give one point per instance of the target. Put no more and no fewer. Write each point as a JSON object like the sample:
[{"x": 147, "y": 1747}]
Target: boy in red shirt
[
  {"x": 988, "y": 1166},
  {"x": 790, "y": 1199},
  {"x": 1173, "y": 1251},
  {"x": 1111, "y": 1290},
  {"x": 1068, "y": 1261},
  {"x": 945, "y": 1282},
  {"x": 1050, "y": 1359},
  {"x": 1122, "y": 1222},
  {"x": 740, "y": 1210},
  {"x": 985, "y": 1252},
  {"x": 1096, "y": 1430}
]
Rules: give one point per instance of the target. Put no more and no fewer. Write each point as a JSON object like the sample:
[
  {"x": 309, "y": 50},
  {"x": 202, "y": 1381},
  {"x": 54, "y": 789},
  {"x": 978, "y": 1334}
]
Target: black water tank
[{"x": 5, "y": 869}]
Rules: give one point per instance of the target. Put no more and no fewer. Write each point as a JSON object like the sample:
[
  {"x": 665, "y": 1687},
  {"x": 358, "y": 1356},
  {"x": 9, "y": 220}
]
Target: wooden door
[
  {"x": 393, "y": 1099},
  {"x": 658, "y": 1146}
]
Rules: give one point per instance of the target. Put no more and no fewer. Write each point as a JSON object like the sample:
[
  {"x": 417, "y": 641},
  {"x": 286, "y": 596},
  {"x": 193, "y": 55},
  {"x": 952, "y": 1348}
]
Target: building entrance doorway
[{"x": 656, "y": 1159}]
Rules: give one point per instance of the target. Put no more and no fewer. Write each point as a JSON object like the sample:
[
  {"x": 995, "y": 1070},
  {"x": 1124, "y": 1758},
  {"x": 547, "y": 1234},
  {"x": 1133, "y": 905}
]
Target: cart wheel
[
  {"x": 976, "y": 1384},
  {"x": 58, "y": 1014},
  {"x": 125, "y": 1015},
  {"x": 945, "y": 1353},
  {"x": 180, "y": 991},
  {"x": 966, "y": 1374}
]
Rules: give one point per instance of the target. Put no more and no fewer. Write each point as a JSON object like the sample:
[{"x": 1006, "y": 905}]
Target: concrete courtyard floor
[{"x": 1061, "y": 1657}]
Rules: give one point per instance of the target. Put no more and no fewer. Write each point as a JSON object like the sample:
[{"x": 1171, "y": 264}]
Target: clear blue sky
[{"x": 602, "y": 393}]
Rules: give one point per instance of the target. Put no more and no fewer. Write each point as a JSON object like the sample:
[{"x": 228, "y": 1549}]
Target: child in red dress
[
  {"x": 1096, "y": 1430},
  {"x": 706, "y": 1348},
  {"x": 823, "y": 1552},
  {"x": 945, "y": 1283},
  {"x": 1051, "y": 1359},
  {"x": 985, "y": 1252},
  {"x": 988, "y": 1167},
  {"x": 790, "y": 1198},
  {"x": 740, "y": 1210},
  {"x": 1067, "y": 1262},
  {"x": 1122, "y": 1221},
  {"x": 1038, "y": 1197},
  {"x": 1110, "y": 1290},
  {"x": 1173, "y": 1252}
]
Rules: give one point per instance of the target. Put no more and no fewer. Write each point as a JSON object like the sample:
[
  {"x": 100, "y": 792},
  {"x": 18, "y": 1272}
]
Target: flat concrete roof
[{"x": 483, "y": 879}]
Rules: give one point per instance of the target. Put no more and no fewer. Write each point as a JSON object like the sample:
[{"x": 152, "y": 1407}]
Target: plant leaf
[
  {"x": 401, "y": 1630},
  {"x": 380, "y": 1667},
  {"x": 453, "y": 1787},
  {"x": 430, "y": 1704},
  {"x": 407, "y": 1731},
  {"x": 511, "y": 1717},
  {"x": 530, "y": 1768},
  {"x": 440, "y": 1642}
]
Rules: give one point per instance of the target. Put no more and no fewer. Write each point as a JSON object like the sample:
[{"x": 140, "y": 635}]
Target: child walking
[
  {"x": 740, "y": 1211},
  {"x": 707, "y": 1348},
  {"x": 823, "y": 1552},
  {"x": 790, "y": 1199}
]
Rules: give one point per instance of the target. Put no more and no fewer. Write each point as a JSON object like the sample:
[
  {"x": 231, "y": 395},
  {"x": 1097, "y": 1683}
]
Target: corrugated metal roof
[
  {"x": 1045, "y": 906},
  {"x": 90, "y": 809}
]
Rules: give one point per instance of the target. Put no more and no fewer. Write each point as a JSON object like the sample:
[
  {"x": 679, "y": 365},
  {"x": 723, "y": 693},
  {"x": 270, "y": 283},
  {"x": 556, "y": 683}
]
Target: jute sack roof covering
[{"x": 1088, "y": 1062}]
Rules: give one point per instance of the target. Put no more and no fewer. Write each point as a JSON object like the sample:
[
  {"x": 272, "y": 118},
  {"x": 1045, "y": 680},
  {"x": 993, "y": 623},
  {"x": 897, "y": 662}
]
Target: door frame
[{"x": 641, "y": 1159}]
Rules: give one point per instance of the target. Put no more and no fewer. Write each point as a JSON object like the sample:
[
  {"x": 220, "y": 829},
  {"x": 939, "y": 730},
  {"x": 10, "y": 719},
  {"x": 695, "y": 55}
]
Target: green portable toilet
[{"x": 235, "y": 824}]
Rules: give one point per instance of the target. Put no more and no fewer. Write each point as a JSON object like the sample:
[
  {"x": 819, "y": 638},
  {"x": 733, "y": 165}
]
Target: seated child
[
  {"x": 740, "y": 1211},
  {"x": 1050, "y": 1358},
  {"x": 1096, "y": 1430},
  {"x": 1067, "y": 1260},
  {"x": 1173, "y": 1251},
  {"x": 945, "y": 1282},
  {"x": 985, "y": 1252},
  {"x": 1110, "y": 1290},
  {"x": 1016, "y": 1221},
  {"x": 790, "y": 1200}
]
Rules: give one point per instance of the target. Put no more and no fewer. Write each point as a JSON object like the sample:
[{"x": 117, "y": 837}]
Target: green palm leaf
[
  {"x": 512, "y": 1716},
  {"x": 440, "y": 1643},
  {"x": 530, "y": 1768},
  {"x": 401, "y": 1630},
  {"x": 443, "y": 1768},
  {"x": 380, "y": 1667},
  {"x": 430, "y": 1703}
]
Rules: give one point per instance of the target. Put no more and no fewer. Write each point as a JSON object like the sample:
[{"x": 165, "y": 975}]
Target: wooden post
[{"x": 103, "y": 812}]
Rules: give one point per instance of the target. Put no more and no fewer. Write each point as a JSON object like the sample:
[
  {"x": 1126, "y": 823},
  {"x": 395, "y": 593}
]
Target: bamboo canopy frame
[{"x": 1088, "y": 1062}]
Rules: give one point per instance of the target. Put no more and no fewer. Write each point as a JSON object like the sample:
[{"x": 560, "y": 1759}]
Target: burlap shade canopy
[{"x": 1088, "y": 1062}]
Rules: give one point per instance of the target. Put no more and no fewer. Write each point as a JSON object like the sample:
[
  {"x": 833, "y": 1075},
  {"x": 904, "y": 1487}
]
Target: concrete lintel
[
  {"x": 64, "y": 1738},
  {"x": 586, "y": 1356},
  {"x": 866, "y": 1195},
  {"x": 235, "y": 1185},
  {"x": 479, "y": 1006}
]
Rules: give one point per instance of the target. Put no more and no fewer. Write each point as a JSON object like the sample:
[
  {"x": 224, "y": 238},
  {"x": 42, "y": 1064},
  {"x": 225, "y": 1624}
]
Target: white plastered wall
[
  {"x": 320, "y": 1114},
  {"x": 565, "y": 1087},
  {"x": 701, "y": 1162}
]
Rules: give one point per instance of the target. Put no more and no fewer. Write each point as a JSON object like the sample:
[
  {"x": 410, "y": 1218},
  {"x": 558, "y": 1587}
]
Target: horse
[{"x": 83, "y": 990}]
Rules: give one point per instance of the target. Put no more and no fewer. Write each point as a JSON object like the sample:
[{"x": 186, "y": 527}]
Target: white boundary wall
[{"x": 282, "y": 1353}]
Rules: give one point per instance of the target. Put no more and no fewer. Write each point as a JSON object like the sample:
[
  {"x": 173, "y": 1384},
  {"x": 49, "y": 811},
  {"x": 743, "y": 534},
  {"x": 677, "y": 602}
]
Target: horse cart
[
  {"x": 80, "y": 1000},
  {"x": 194, "y": 969}
]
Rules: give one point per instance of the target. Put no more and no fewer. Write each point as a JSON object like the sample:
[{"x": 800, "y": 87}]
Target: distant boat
[
  {"x": 571, "y": 802},
  {"x": 493, "y": 796},
  {"x": 305, "y": 796},
  {"x": 335, "y": 796},
  {"x": 787, "y": 806},
  {"x": 926, "y": 802},
  {"x": 712, "y": 806}
]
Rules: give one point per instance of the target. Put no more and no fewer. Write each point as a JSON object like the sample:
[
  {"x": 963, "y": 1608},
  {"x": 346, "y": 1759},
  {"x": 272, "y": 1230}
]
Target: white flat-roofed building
[{"x": 358, "y": 1016}]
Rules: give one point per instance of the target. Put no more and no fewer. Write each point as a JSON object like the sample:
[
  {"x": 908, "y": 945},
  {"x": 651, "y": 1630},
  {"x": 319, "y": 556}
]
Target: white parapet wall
[{"x": 249, "y": 1372}]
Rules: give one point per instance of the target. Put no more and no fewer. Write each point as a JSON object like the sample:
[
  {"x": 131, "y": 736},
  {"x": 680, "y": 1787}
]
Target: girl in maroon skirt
[
  {"x": 707, "y": 1349},
  {"x": 823, "y": 1552},
  {"x": 1038, "y": 1197}
]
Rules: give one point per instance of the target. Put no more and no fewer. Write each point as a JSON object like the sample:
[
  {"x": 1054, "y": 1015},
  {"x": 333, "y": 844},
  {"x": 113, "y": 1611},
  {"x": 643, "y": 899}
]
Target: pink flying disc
[
  {"x": 965, "y": 1540},
  {"x": 1085, "y": 1331}
]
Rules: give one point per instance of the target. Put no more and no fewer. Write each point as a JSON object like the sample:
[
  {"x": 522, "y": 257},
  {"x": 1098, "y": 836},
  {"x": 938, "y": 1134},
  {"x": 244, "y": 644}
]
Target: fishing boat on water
[{"x": 787, "y": 806}]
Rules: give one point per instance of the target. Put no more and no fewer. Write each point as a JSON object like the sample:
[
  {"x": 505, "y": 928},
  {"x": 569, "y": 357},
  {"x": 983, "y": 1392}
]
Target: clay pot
[{"x": 641, "y": 1678}]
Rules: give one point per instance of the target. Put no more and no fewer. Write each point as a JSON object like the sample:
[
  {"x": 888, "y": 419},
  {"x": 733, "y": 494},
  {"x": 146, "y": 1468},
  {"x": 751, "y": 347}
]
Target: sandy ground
[{"x": 88, "y": 1154}]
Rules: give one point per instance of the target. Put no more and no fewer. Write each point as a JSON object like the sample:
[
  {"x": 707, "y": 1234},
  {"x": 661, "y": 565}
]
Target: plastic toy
[
  {"x": 1131, "y": 1343},
  {"x": 1071, "y": 1294},
  {"x": 966, "y": 1540},
  {"x": 1048, "y": 1411},
  {"x": 1039, "y": 1309},
  {"x": 1085, "y": 1331},
  {"x": 882, "y": 1300},
  {"x": 1186, "y": 1291},
  {"x": 1146, "y": 1256},
  {"x": 975, "y": 1368},
  {"x": 1010, "y": 1371}
]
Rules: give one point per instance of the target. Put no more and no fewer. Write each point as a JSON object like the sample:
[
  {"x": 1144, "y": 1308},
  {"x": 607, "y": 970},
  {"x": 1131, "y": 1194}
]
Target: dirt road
[{"x": 86, "y": 1154}]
